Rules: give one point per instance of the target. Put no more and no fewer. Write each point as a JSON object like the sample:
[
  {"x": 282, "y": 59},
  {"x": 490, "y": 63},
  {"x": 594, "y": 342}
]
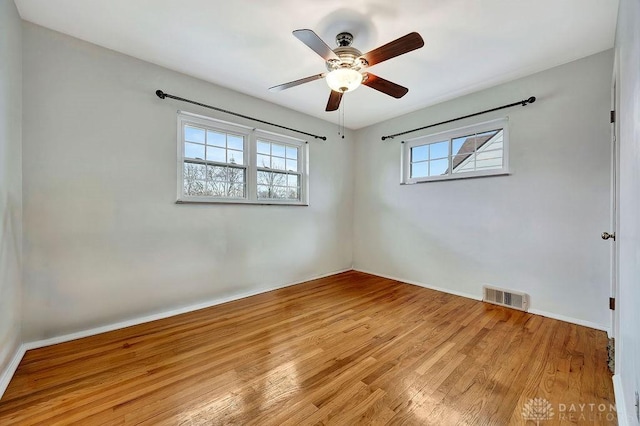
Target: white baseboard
[
  {"x": 11, "y": 368},
  {"x": 166, "y": 314},
  {"x": 476, "y": 297},
  {"x": 621, "y": 409},
  {"x": 419, "y": 284},
  {"x": 572, "y": 320}
]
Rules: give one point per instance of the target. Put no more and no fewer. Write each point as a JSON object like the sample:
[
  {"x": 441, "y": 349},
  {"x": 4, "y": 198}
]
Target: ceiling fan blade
[
  {"x": 411, "y": 41},
  {"x": 385, "y": 86},
  {"x": 316, "y": 44},
  {"x": 296, "y": 83},
  {"x": 334, "y": 101}
]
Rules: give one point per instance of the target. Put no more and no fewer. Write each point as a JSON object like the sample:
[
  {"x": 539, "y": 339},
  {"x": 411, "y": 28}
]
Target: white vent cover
[{"x": 508, "y": 298}]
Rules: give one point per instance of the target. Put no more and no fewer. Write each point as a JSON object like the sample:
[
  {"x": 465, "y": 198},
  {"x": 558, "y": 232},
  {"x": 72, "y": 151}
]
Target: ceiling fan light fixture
[{"x": 344, "y": 79}]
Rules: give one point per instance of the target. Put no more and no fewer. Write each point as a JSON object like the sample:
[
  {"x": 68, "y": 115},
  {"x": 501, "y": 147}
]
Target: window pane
[
  {"x": 489, "y": 159},
  {"x": 216, "y": 173},
  {"x": 215, "y": 138},
  {"x": 193, "y": 172},
  {"x": 419, "y": 153},
  {"x": 235, "y": 157},
  {"x": 235, "y": 142},
  {"x": 195, "y": 187},
  {"x": 207, "y": 191},
  {"x": 292, "y": 193},
  {"x": 486, "y": 154},
  {"x": 216, "y": 154},
  {"x": 438, "y": 167},
  {"x": 418, "y": 170},
  {"x": 293, "y": 180},
  {"x": 236, "y": 190},
  {"x": 278, "y": 150},
  {"x": 470, "y": 143},
  {"x": 218, "y": 189},
  {"x": 194, "y": 151},
  {"x": 264, "y": 161},
  {"x": 235, "y": 175},
  {"x": 292, "y": 165},
  {"x": 487, "y": 135},
  {"x": 271, "y": 179},
  {"x": 264, "y": 148},
  {"x": 439, "y": 150},
  {"x": 263, "y": 191},
  {"x": 488, "y": 166},
  {"x": 193, "y": 134},
  {"x": 459, "y": 145},
  {"x": 278, "y": 192},
  {"x": 292, "y": 153},
  {"x": 277, "y": 163},
  {"x": 464, "y": 163}
]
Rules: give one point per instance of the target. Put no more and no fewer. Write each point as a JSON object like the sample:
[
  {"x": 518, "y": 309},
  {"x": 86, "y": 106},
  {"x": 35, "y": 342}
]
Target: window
[
  {"x": 478, "y": 150},
  {"x": 225, "y": 162},
  {"x": 283, "y": 183}
]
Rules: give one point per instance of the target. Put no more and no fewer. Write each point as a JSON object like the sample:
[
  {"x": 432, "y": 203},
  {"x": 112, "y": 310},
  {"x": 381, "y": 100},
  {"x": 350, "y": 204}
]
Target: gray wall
[
  {"x": 536, "y": 230},
  {"x": 105, "y": 242},
  {"x": 628, "y": 335},
  {"x": 10, "y": 182}
]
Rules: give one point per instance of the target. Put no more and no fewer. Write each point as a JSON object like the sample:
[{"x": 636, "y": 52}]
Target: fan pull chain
[{"x": 341, "y": 119}]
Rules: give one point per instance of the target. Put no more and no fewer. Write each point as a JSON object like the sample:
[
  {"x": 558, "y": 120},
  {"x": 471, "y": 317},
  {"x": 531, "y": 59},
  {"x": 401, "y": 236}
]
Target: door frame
[{"x": 615, "y": 203}]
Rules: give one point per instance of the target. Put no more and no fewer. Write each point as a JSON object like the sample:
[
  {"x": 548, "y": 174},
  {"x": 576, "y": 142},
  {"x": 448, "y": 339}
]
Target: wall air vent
[{"x": 508, "y": 298}]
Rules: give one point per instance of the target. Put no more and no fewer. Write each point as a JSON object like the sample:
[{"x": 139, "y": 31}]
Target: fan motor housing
[{"x": 349, "y": 58}]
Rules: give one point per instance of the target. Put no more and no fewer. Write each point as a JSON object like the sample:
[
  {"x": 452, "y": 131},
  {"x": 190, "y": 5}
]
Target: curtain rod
[
  {"x": 163, "y": 95},
  {"x": 523, "y": 102}
]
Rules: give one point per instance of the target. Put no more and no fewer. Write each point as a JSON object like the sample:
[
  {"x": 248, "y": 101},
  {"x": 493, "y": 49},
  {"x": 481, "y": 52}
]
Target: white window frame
[
  {"x": 405, "y": 173},
  {"x": 251, "y": 136}
]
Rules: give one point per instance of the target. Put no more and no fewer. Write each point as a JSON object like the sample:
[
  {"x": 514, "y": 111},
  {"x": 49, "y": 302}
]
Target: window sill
[
  {"x": 245, "y": 202},
  {"x": 459, "y": 177}
]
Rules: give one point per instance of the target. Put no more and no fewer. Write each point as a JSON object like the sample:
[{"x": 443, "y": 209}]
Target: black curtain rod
[
  {"x": 523, "y": 102},
  {"x": 163, "y": 95}
]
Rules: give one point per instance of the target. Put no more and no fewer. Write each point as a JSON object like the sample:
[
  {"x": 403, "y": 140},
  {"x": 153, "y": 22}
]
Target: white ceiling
[{"x": 246, "y": 45}]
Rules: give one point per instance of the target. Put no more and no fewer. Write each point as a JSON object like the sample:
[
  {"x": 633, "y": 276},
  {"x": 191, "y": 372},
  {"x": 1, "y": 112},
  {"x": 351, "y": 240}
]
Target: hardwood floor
[{"x": 349, "y": 349}]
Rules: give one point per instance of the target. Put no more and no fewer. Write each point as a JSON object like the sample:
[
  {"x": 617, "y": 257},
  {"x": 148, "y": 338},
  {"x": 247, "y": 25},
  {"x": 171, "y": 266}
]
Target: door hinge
[
  {"x": 613, "y": 116},
  {"x": 612, "y": 303}
]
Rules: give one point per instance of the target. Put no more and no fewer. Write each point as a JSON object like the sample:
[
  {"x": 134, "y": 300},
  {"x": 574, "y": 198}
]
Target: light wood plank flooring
[{"x": 349, "y": 349}]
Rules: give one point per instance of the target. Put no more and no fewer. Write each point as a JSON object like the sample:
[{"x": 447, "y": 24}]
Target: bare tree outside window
[{"x": 216, "y": 181}]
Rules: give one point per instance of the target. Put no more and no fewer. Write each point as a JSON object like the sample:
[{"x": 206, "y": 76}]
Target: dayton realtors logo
[{"x": 539, "y": 410}]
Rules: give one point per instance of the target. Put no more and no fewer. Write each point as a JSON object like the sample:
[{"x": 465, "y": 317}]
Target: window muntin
[
  {"x": 479, "y": 150},
  {"x": 224, "y": 162}
]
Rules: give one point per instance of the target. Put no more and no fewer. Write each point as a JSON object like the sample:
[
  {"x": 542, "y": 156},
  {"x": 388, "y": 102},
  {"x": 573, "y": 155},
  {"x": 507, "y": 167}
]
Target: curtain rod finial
[{"x": 160, "y": 94}]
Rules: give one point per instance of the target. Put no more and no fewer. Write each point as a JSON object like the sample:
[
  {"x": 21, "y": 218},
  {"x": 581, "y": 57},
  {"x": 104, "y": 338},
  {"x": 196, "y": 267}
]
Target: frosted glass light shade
[{"x": 344, "y": 79}]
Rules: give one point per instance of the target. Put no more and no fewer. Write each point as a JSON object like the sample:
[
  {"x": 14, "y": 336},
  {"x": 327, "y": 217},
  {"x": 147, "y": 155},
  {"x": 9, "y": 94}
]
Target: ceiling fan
[{"x": 346, "y": 65}]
